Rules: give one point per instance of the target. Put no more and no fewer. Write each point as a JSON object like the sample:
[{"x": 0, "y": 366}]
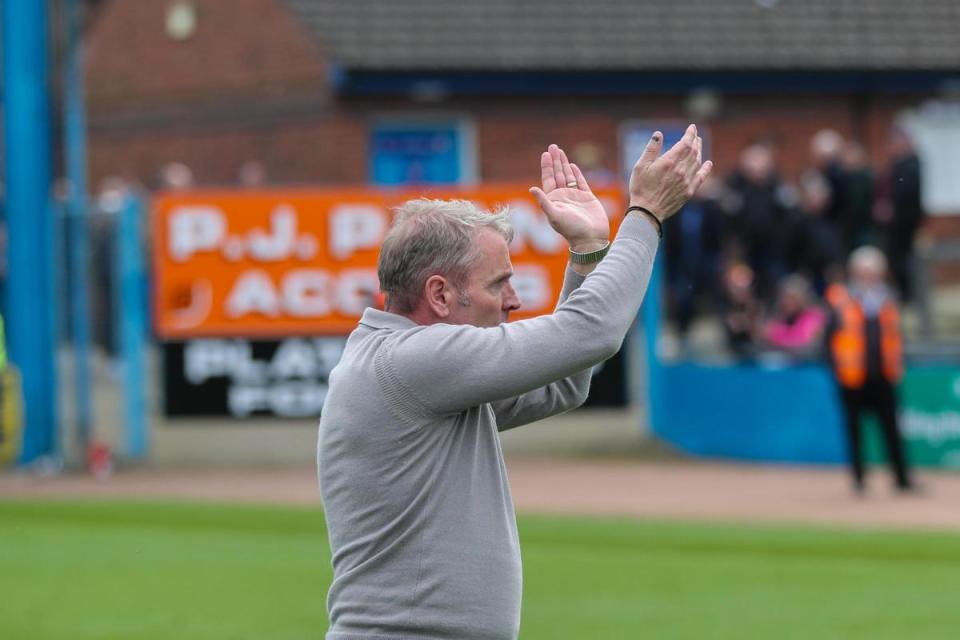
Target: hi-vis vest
[{"x": 848, "y": 345}]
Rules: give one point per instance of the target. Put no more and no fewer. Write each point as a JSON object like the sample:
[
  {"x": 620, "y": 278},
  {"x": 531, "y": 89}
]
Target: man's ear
[{"x": 439, "y": 296}]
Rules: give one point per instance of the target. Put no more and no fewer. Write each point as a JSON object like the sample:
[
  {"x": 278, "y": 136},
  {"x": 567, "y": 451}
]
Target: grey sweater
[{"x": 422, "y": 529}]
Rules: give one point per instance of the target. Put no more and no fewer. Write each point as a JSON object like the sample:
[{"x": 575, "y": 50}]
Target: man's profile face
[{"x": 488, "y": 287}]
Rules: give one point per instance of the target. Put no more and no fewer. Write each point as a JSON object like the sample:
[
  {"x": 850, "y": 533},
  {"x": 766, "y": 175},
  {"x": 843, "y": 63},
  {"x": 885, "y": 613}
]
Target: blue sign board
[{"x": 425, "y": 153}]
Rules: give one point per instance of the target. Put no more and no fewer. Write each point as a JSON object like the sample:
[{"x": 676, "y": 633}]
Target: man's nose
[{"x": 511, "y": 301}]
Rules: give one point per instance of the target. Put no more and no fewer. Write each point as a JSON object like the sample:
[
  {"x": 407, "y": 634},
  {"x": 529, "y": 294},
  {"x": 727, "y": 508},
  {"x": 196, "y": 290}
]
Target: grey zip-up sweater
[{"x": 421, "y": 522}]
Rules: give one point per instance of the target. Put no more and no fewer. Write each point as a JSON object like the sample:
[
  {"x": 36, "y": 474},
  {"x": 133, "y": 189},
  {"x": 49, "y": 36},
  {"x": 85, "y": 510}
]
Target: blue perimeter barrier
[
  {"x": 771, "y": 411},
  {"x": 750, "y": 412},
  {"x": 746, "y": 411}
]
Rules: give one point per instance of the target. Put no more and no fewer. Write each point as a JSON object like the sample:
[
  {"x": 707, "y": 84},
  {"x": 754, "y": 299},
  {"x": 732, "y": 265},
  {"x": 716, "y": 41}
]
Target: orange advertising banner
[{"x": 276, "y": 263}]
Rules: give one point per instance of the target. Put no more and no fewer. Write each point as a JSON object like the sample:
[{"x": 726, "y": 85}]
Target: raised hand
[
  {"x": 572, "y": 209},
  {"x": 664, "y": 184}
]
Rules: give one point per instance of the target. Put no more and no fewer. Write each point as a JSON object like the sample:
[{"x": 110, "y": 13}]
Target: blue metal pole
[
  {"x": 75, "y": 137},
  {"x": 131, "y": 320},
  {"x": 28, "y": 176},
  {"x": 652, "y": 314}
]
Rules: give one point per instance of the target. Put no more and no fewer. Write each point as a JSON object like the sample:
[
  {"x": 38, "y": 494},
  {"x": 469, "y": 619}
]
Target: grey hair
[
  {"x": 868, "y": 257},
  {"x": 433, "y": 237}
]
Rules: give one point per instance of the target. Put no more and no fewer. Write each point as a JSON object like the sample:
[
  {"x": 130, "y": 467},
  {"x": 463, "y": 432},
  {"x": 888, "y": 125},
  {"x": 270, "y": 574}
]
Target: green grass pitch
[{"x": 137, "y": 571}]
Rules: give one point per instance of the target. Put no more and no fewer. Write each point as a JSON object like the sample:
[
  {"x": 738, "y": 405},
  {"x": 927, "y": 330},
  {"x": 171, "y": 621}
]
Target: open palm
[{"x": 572, "y": 209}]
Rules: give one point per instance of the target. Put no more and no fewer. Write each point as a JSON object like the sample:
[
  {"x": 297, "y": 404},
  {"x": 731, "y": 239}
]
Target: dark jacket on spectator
[
  {"x": 758, "y": 217},
  {"x": 813, "y": 248}
]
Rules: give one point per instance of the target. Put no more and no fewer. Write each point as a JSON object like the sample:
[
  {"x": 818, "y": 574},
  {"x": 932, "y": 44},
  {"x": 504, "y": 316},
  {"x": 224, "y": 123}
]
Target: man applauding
[{"x": 422, "y": 527}]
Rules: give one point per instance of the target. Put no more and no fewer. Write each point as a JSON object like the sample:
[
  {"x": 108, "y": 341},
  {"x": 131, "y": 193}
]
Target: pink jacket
[{"x": 781, "y": 335}]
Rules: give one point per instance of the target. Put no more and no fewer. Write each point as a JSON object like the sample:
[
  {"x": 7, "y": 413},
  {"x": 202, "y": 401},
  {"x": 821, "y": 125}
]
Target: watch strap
[{"x": 590, "y": 257}]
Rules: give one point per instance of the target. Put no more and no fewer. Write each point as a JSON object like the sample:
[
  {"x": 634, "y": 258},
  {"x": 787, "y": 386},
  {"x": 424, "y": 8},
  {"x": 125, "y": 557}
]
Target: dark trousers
[{"x": 880, "y": 397}]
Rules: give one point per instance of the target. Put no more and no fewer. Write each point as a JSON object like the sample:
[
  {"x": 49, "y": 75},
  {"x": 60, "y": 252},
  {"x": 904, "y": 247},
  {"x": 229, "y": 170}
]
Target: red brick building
[{"x": 303, "y": 86}]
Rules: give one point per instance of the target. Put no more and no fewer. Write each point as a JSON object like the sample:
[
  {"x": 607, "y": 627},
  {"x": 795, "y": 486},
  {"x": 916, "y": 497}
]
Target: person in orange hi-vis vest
[{"x": 864, "y": 346}]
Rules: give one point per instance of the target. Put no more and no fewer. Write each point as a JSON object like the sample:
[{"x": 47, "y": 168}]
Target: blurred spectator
[
  {"x": 797, "y": 326},
  {"x": 865, "y": 351},
  {"x": 759, "y": 210},
  {"x": 692, "y": 253},
  {"x": 111, "y": 193},
  {"x": 899, "y": 211},
  {"x": 742, "y": 311},
  {"x": 826, "y": 149},
  {"x": 814, "y": 247},
  {"x": 776, "y": 228},
  {"x": 589, "y": 157},
  {"x": 856, "y": 220},
  {"x": 176, "y": 176},
  {"x": 102, "y": 224},
  {"x": 252, "y": 173}
]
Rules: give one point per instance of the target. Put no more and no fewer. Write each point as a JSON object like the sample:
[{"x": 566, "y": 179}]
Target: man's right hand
[{"x": 664, "y": 184}]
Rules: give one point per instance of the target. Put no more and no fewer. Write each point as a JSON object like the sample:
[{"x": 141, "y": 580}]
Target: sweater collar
[{"x": 377, "y": 319}]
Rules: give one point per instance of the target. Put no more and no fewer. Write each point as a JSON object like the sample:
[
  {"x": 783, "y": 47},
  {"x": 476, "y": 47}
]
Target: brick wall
[
  {"x": 511, "y": 132},
  {"x": 251, "y": 84},
  {"x": 241, "y": 49}
]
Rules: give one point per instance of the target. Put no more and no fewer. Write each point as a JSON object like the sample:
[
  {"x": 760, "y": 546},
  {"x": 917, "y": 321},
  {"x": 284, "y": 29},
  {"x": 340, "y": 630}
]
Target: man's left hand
[{"x": 569, "y": 204}]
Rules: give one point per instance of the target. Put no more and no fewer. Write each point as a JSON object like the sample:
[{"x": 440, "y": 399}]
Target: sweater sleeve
[
  {"x": 554, "y": 398},
  {"x": 448, "y": 368}
]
